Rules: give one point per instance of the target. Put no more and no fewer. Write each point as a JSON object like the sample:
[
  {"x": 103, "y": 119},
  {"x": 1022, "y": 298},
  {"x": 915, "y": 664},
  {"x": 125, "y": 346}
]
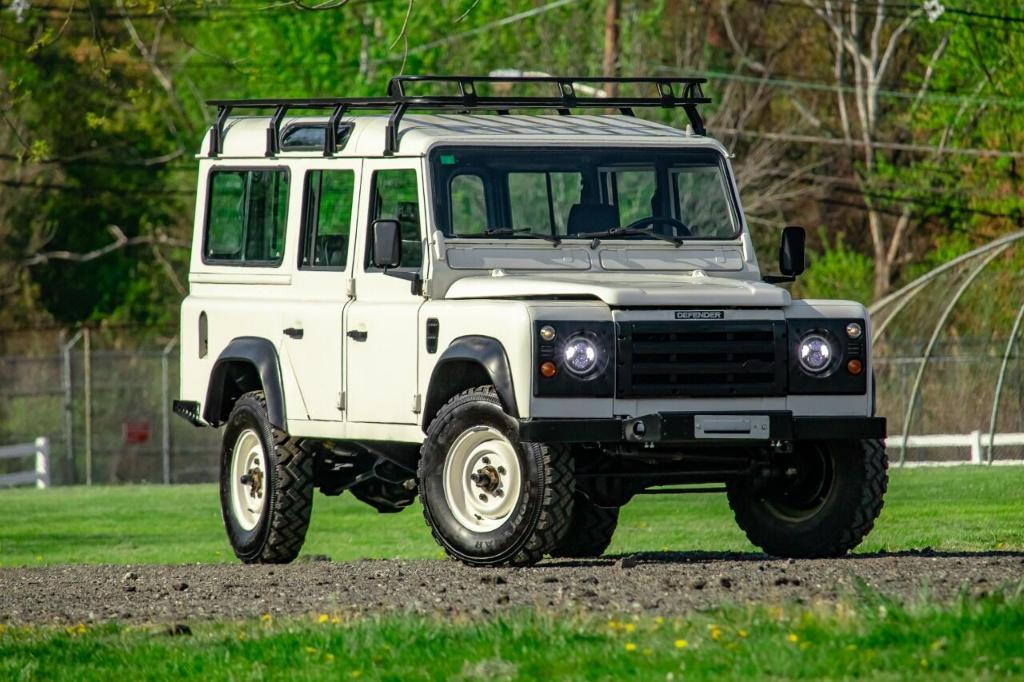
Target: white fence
[
  {"x": 981, "y": 445},
  {"x": 40, "y": 475}
]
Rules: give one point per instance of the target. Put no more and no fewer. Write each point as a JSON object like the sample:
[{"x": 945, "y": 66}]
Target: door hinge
[
  {"x": 350, "y": 287},
  {"x": 341, "y": 401},
  {"x": 416, "y": 400}
]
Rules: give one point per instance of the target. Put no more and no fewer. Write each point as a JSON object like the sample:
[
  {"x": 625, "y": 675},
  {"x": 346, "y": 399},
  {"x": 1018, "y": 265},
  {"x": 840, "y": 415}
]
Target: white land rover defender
[{"x": 526, "y": 320}]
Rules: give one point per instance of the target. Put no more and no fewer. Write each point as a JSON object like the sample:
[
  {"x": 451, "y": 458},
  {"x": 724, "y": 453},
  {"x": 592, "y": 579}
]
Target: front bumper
[{"x": 703, "y": 428}]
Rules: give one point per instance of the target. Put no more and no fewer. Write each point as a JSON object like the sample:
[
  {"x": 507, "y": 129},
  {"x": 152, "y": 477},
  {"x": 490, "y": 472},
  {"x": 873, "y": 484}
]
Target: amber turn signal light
[
  {"x": 548, "y": 369},
  {"x": 855, "y": 367}
]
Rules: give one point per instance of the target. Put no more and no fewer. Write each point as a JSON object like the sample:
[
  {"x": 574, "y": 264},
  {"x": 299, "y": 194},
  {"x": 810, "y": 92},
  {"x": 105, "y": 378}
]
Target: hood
[{"x": 626, "y": 291}]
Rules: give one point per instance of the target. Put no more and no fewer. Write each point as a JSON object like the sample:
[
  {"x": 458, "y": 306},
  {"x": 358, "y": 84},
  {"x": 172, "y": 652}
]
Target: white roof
[{"x": 247, "y": 136}]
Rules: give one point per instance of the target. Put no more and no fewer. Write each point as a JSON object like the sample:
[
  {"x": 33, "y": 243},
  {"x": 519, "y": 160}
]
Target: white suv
[{"x": 524, "y": 319}]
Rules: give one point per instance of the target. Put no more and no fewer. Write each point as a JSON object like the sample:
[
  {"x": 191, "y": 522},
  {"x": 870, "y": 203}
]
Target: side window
[
  {"x": 247, "y": 217},
  {"x": 395, "y": 196},
  {"x": 468, "y": 205},
  {"x": 327, "y": 221}
]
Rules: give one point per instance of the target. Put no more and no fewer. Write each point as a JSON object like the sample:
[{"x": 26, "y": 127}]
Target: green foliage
[
  {"x": 105, "y": 525},
  {"x": 837, "y": 272},
  {"x": 103, "y": 105}
]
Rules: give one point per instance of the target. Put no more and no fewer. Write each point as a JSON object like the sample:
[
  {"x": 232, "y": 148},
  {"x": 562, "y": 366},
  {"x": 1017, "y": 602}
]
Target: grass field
[
  {"x": 864, "y": 637},
  {"x": 963, "y": 508}
]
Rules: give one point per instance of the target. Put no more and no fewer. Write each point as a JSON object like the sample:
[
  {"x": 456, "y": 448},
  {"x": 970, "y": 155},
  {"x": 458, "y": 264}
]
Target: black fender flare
[
  {"x": 245, "y": 361},
  {"x": 484, "y": 351}
]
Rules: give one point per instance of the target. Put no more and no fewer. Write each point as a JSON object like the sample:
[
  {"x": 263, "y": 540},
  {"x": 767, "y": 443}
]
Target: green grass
[
  {"x": 861, "y": 637},
  {"x": 963, "y": 508}
]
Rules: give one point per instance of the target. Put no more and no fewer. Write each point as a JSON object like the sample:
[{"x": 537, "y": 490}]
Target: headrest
[{"x": 592, "y": 218}]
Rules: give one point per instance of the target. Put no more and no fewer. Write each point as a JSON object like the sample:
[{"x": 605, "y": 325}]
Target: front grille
[{"x": 701, "y": 359}]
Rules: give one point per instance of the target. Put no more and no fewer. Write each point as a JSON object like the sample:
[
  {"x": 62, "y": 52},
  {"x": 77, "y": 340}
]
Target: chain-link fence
[{"x": 107, "y": 410}]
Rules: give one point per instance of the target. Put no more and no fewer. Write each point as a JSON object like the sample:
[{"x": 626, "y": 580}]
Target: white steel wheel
[
  {"x": 482, "y": 479},
  {"x": 248, "y": 479}
]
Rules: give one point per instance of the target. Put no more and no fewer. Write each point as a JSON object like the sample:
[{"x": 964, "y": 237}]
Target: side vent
[
  {"x": 204, "y": 335},
  {"x": 433, "y": 333}
]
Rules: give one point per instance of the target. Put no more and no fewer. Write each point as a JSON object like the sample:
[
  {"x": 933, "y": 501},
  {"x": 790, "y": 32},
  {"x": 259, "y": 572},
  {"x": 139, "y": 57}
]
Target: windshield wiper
[
  {"x": 628, "y": 232},
  {"x": 525, "y": 231}
]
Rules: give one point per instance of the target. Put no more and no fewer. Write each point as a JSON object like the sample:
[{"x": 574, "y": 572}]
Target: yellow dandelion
[
  {"x": 322, "y": 618},
  {"x": 659, "y": 620},
  {"x": 613, "y": 624},
  {"x": 242, "y": 637},
  {"x": 356, "y": 673},
  {"x": 266, "y": 618},
  {"x": 682, "y": 644},
  {"x": 310, "y": 650},
  {"x": 630, "y": 647},
  {"x": 793, "y": 638},
  {"x": 742, "y": 633},
  {"x": 716, "y": 633},
  {"x": 335, "y": 620},
  {"x": 629, "y": 627},
  {"x": 330, "y": 658}
]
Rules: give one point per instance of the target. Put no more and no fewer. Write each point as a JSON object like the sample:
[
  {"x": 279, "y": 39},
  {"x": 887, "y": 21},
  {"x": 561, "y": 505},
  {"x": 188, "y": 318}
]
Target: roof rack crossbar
[{"x": 399, "y": 102}]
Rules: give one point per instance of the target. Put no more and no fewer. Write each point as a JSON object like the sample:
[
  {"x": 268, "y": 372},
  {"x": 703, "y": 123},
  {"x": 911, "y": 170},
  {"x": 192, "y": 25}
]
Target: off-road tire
[
  {"x": 590, "y": 530},
  {"x": 541, "y": 517},
  {"x": 844, "y": 518},
  {"x": 281, "y": 530}
]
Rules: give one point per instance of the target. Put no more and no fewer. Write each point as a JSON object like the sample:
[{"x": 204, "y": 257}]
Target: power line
[
  {"x": 894, "y": 146},
  {"x": 949, "y": 98}
]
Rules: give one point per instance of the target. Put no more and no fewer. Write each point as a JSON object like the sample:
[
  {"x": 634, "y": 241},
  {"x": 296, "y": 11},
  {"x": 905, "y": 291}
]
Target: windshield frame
[{"x": 665, "y": 160}]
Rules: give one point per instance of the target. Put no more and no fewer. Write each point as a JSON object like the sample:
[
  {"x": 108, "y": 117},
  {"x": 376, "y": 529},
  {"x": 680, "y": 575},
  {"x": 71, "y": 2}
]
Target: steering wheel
[{"x": 661, "y": 220}]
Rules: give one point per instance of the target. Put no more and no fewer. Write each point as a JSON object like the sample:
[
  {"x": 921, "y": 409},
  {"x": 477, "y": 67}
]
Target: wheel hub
[
  {"x": 249, "y": 483},
  {"x": 482, "y": 479}
]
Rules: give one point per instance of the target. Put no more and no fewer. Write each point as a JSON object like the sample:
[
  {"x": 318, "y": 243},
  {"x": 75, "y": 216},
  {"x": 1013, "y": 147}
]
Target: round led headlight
[
  {"x": 815, "y": 354},
  {"x": 580, "y": 355}
]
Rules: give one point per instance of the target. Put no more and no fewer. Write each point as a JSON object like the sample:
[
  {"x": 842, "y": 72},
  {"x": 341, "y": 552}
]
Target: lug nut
[
  {"x": 501, "y": 470},
  {"x": 483, "y": 498},
  {"x": 486, "y": 460},
  {"x": 499, "y": 492}
]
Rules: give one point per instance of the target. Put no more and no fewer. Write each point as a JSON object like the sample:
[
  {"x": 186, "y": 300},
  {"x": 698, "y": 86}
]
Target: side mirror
[
  {"x": 791, "y": 251},
  {"x": 387, "y": 243}
]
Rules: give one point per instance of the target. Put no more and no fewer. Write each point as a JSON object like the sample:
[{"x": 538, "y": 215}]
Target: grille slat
[{"x": 701, "y": 359}]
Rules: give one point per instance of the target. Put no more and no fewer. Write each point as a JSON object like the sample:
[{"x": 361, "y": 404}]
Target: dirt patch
[{"x": 663, "y": 584}]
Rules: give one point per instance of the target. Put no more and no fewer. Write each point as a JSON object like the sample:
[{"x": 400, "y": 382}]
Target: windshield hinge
[{"x": 341, "y": 401}]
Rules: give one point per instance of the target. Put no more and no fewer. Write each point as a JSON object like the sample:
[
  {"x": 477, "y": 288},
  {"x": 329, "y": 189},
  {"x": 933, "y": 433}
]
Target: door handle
[
  {"x": 357, "y": 335},
  {"x": 293, "y": 332}
]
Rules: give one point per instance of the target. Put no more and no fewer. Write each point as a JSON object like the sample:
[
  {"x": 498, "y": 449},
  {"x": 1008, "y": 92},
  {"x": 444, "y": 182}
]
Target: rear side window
[
  {"x": 328, "y": 219},
  {"x": 247, "y": 217}
]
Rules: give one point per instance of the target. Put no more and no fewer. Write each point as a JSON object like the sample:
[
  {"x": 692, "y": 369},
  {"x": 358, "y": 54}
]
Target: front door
[{"x": 381, "y": 322}]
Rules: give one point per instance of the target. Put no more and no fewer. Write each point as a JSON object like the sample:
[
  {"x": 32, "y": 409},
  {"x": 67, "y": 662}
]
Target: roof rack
[{"x": 399, "y": 101}]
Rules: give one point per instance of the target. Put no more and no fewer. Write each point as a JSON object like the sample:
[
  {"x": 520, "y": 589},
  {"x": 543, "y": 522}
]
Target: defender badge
[{"x": 700, "y": 314}]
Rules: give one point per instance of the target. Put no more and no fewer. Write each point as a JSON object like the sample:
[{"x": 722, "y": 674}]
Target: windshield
[{"x": 580, "y": 193}]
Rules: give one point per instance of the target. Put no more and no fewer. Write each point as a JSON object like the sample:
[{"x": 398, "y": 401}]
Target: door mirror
[
  {"x": 387, "y": 243},
  {"x": 791, "y": 251}
]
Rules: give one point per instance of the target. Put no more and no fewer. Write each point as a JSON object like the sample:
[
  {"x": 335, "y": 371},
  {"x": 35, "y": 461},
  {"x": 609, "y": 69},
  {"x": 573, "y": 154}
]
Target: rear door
[{"x": 312, "y": 323}]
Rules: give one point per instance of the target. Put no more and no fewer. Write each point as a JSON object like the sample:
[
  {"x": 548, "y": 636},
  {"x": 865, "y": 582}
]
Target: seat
[{"x": 591, "y": 218}]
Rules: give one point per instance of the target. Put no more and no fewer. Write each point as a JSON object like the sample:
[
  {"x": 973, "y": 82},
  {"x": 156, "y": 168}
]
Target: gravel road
[{"x": 662, "y": 584}]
